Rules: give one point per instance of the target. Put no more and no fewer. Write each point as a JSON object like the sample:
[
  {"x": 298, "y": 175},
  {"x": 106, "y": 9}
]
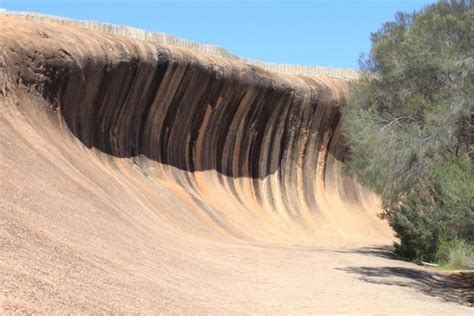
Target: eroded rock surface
[{"x": 144, "y": 177}]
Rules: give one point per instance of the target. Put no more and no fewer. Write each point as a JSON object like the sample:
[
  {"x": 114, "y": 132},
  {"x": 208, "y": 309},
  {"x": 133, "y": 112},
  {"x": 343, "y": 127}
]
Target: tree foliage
[{"x": 409, "y": 124}]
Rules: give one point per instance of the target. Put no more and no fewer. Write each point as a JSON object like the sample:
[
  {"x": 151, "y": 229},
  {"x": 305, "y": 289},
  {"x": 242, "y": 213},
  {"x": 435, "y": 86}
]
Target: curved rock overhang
[{"x": 271, "y": 143}]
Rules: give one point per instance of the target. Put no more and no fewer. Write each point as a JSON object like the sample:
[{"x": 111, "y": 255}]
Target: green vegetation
[
  {"x": 456, "y": 254},
  {"x": 409, "y": 124}
]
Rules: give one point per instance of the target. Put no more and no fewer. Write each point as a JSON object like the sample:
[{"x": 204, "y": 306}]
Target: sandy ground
[{"x": 84, "y": 232}]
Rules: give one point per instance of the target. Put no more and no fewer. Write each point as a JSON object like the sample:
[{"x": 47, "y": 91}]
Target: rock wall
[
  {"x": 144, "y": 178},
  {"x": 272, "y": 141}
]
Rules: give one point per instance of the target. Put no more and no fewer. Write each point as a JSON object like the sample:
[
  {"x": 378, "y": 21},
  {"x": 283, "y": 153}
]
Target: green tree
[{"x": 409, "y": 125}]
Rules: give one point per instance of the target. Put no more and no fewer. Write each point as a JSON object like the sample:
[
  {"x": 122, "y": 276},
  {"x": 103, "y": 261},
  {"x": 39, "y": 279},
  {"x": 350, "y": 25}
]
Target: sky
[{"x": 331, "y": 33}]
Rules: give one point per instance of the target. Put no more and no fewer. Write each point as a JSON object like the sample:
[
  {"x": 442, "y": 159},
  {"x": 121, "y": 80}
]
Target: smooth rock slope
[{"x": 144, "y": 177}]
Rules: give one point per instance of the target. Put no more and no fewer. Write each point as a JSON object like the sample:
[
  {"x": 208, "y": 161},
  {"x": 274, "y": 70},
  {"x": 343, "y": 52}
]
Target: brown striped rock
[{"x": 142, "y": 177}]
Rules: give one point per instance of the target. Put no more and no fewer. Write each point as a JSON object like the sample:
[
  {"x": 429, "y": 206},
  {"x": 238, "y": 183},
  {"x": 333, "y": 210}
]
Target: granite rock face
[
  {"x": 278, "y": 136},
  {"x": 143, "y": 177}
]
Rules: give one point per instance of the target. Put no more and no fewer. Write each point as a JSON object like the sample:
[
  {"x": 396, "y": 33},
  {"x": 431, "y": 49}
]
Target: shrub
[
  {"x": 445, "y": 214},
  {"x": 456, "y": 254},
  {"x": 409, "y": 125}
]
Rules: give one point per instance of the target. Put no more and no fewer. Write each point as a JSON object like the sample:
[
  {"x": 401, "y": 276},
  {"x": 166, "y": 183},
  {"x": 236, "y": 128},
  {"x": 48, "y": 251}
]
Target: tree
[{"x": 409, "y": 125}]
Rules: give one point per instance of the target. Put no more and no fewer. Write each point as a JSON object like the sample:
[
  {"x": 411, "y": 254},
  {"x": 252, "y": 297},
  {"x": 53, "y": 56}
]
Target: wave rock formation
[{"x": 139, "y": 176}]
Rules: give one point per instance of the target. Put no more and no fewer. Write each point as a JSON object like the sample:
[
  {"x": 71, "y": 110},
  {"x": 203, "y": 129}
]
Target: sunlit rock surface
[{"x": 139, "y": 176}]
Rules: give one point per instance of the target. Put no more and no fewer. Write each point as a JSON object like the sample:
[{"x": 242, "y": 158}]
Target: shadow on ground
[
  {"x": 452, "y": 287},
  {"x": 385, "y": 252}
]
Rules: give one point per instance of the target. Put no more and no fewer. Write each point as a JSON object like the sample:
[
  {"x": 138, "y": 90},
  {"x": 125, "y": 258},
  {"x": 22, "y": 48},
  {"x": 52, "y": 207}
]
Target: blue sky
[{"x": 319, "y": 32}]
